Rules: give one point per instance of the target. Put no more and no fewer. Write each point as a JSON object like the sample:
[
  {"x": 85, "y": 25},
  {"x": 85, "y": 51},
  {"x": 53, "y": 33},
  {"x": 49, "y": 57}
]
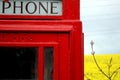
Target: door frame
[{"x": 40, "y": 46}]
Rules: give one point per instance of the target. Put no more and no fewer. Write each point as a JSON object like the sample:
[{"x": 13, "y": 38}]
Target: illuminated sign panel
[{"x": 31, "y": 7}]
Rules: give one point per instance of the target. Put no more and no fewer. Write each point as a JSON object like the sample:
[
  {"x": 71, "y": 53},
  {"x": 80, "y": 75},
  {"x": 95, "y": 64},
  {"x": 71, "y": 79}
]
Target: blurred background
[{"x": 101, "y": 23}]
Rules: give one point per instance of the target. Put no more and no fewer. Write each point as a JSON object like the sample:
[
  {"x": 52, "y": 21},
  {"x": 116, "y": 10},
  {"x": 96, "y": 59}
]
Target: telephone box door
[{"x": 34, "y": 56}]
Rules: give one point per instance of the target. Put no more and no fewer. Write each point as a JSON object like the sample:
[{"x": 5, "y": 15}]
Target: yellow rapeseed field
[{"x": 91, "y": 72}]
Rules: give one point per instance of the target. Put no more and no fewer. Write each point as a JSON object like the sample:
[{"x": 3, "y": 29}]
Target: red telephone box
[{"x": 41, "y": 40}]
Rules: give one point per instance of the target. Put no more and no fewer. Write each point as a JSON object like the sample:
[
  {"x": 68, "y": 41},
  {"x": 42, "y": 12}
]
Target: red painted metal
[
  {"x": 64, "y": 33},
  {"x": 68, "y": 35},
  {"x": 36, "y": 28},
  {"x": 6, "y": 0}
]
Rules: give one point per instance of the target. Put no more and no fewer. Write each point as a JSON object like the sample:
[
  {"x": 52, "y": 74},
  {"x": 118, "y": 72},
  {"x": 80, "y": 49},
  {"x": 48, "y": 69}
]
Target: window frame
[{"x": 40, "y": 46}]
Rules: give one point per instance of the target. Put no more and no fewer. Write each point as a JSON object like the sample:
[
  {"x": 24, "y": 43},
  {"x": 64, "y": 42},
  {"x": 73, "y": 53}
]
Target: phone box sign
[
  {"x": 41, "y": 40},
  {"x": 31, "y": 7}
]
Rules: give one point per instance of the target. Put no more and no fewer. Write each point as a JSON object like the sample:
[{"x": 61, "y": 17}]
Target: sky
[{"x": 101, "y": 23}]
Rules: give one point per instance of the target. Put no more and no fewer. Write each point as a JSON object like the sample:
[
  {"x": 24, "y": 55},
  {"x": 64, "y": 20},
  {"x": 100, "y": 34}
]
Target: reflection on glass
[
  {"x": 48, "y": 63},
  {"x": 18, "y": 63}
]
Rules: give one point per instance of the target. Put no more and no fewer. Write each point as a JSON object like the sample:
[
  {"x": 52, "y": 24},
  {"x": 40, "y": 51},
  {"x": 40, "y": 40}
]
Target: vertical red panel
[
  {"x": 56, "y": 63},
  {"x": 78, "y": 44},
  {"x": 71, "y": 9},
  {"x": 72, "y": 56},
  {"x": 40, "y": 63},
  {"x": 82, "y": 55},
  {"x": 64, "y": 56}
]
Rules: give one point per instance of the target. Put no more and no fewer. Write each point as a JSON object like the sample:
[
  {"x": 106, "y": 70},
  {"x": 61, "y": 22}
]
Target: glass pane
[
  {"x": 48, "y": 63},
  {"x": 18, "y": 63}
]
